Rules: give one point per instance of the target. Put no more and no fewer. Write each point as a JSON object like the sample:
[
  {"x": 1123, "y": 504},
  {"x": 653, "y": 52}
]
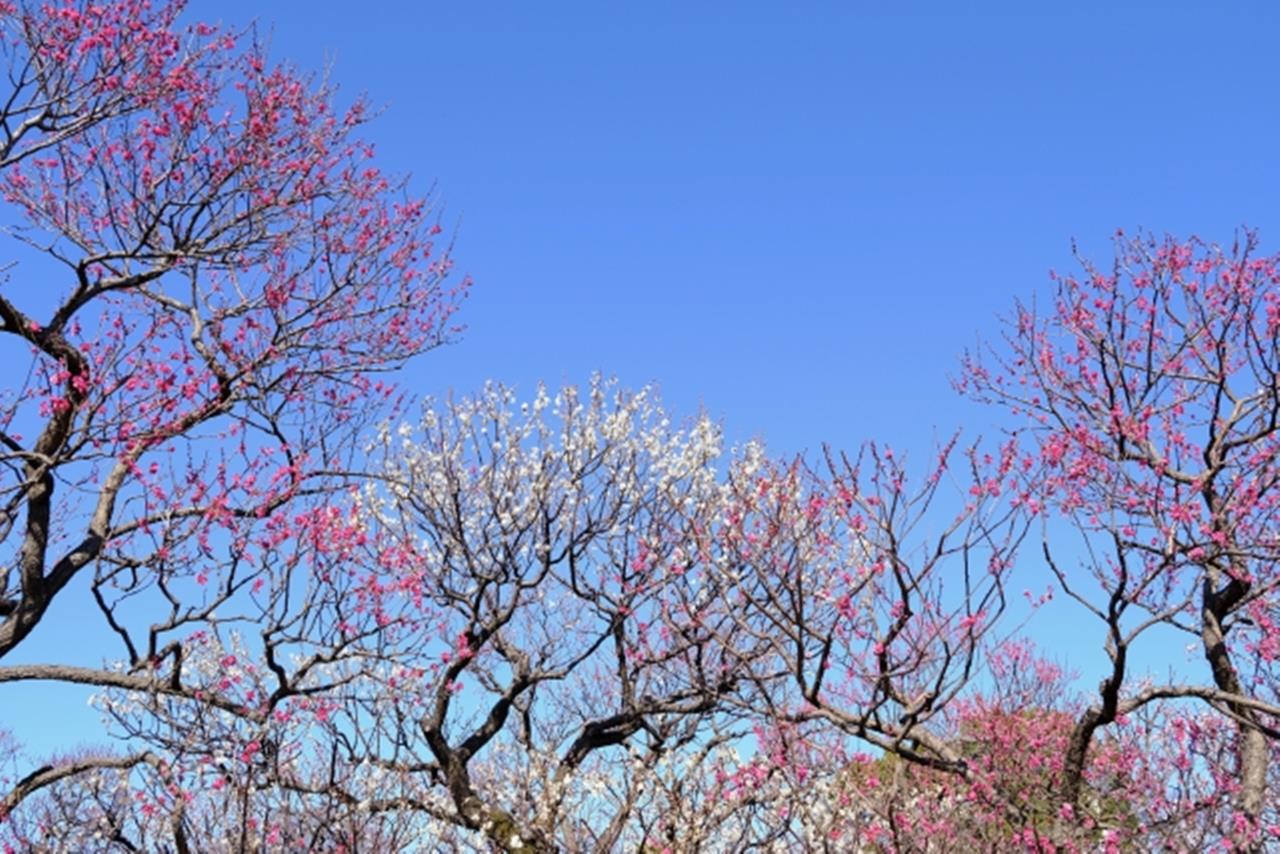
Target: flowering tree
[
  {"x": 214, "y": 274},
  {"x": 568, "y": 678},
  {"x": 1151, "y": 393},
  {"x": 1146, "y": 787},
  {"x": 513, "y": 640},
  {"x": 880, "y": 624},
  {"x": 1151, "y": 390}
]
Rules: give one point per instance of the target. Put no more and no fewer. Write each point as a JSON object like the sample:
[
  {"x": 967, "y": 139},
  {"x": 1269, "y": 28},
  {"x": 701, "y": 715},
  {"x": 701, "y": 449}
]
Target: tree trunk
[{"x": 1251, "y": 752}]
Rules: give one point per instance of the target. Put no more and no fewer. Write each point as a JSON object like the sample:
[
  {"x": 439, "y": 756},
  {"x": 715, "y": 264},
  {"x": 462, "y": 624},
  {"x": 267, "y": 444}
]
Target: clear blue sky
[{"x": 796, "y": 215}]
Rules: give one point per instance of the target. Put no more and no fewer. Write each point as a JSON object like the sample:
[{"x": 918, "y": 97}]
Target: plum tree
[{"x": 226, "y": 272}]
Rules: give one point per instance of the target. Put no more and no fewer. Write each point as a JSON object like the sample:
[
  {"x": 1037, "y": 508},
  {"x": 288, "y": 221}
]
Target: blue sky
[{"x": 795, "y": 215}]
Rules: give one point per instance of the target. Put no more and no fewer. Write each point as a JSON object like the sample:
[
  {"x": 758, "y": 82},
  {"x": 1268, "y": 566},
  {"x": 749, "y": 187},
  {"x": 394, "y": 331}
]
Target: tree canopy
[{"x": 346, "y": 620}]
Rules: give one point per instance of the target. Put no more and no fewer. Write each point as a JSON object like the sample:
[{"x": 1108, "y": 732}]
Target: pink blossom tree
[
  {"x": 213, "y": 273},
  {"x": 879, "y": 620},
  {"x": 1151, "y": 394},
  {"x": 1150, "y": 390}
]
